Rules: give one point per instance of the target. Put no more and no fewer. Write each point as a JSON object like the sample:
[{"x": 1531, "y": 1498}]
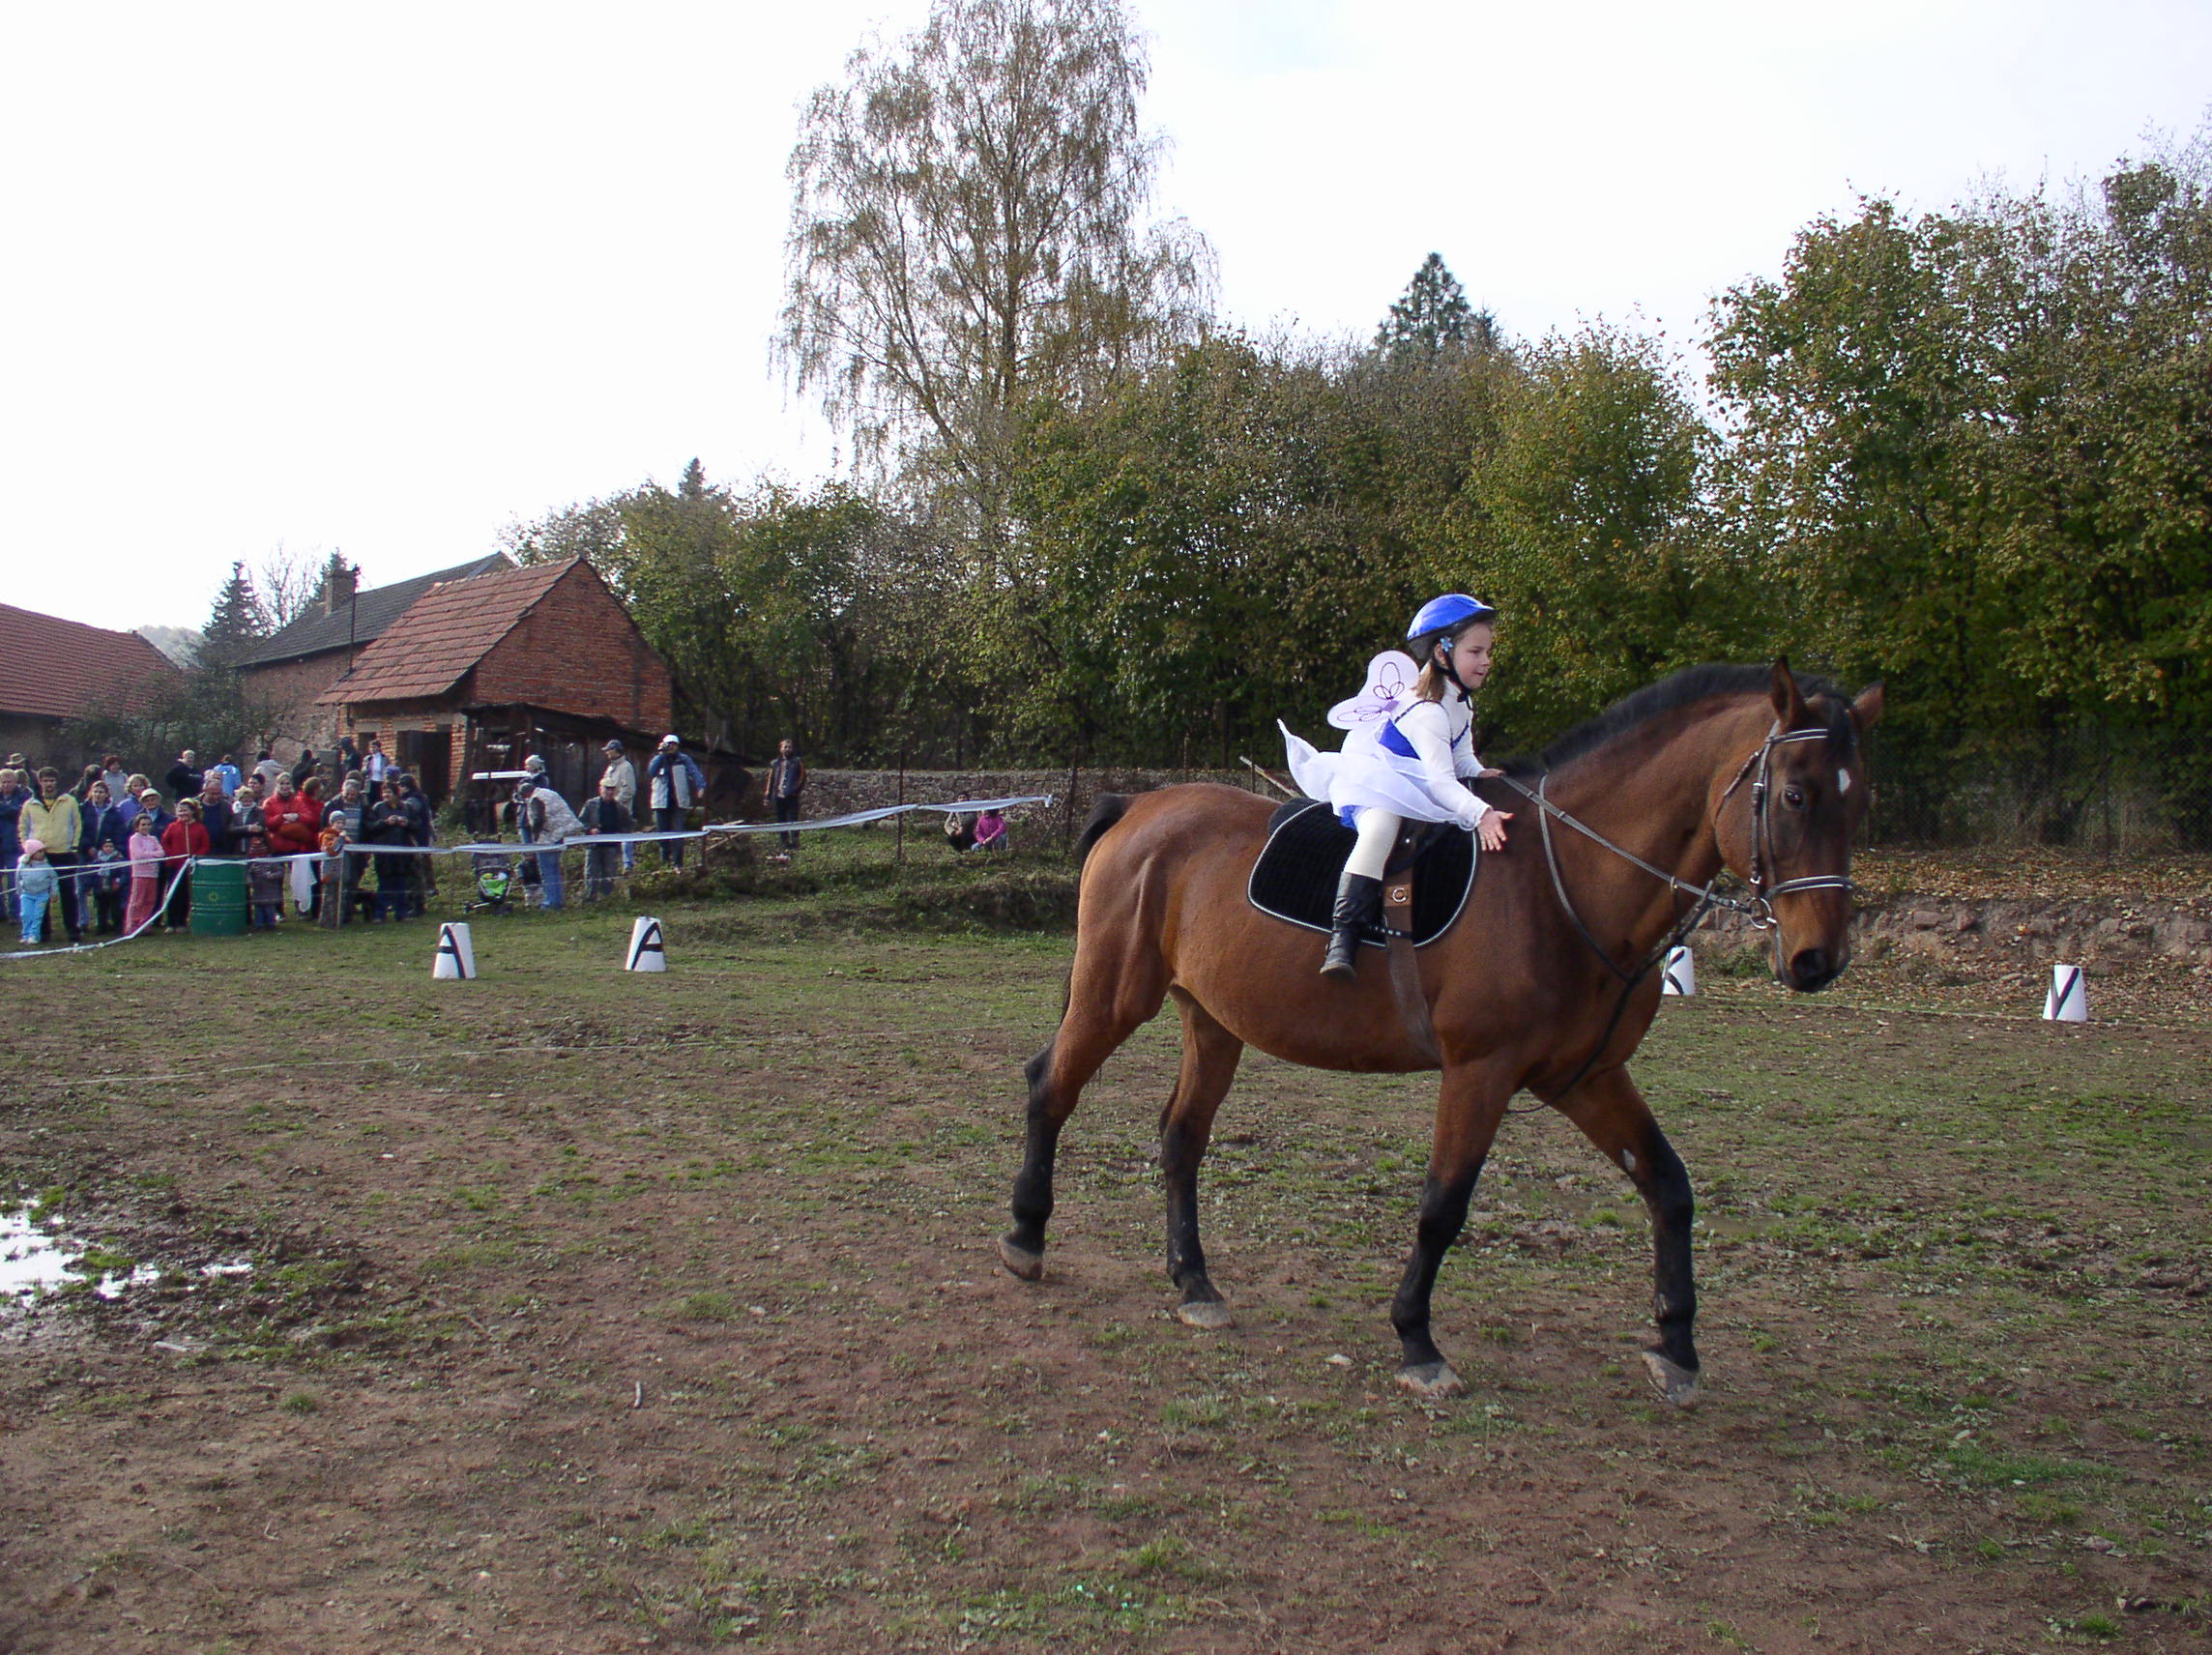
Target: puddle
[
  {"x": 31, "y": 1261},
  {"x": 35, "y": 1263}
]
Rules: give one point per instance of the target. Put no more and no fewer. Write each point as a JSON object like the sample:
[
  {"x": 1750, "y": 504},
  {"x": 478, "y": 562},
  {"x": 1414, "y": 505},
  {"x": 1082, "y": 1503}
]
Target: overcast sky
[{"x": 386, "y": 278}]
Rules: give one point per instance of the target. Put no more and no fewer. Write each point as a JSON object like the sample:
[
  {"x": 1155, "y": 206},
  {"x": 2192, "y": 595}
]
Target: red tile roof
[
  {"x": 51, "y": 668},
  {"x": 444, "y": 634}
]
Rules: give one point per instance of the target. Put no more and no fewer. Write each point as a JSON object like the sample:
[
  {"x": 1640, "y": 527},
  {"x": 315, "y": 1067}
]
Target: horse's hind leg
[
  {"x": 1209, "y": 1055},
  {"x": 1107, "y": 1002},
  {"x": 1614, "y": 1115}
]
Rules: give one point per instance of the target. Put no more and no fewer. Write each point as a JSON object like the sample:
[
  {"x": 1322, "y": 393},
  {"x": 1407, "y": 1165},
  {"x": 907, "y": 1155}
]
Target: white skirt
[{"x": 1365, "y": 775}]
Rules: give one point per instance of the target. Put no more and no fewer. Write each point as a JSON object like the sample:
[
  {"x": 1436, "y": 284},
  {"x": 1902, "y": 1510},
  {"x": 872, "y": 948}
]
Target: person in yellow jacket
[{"x": 55, "y": 820}]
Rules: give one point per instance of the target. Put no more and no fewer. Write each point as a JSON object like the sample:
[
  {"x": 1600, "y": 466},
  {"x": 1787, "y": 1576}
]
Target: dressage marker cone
[
  {"x": 456, "y": 956},
  {"x": 2068, "y": 1000},
  {"x": 1681, "y": 973},
  {"x": 648, "y": 952}
]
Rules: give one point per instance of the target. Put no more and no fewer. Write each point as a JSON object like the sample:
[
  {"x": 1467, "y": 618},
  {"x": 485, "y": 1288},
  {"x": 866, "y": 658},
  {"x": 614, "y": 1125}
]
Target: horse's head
[{"x": 1787, "y": 819}]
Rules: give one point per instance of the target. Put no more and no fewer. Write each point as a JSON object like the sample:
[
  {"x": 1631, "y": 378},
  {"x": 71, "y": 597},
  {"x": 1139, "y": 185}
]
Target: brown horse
[{"x": 1543, "y": 983}]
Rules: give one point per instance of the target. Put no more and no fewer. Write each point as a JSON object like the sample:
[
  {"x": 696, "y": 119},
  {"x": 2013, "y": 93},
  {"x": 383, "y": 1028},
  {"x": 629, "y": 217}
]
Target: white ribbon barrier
[
  {"x": 83, "y": 874},
  {"x": 583, "y": 841},
  {"x": 160, "y": 909}
]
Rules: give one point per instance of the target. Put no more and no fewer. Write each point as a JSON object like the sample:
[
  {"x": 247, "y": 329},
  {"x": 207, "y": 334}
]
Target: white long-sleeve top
[{"x": 1442, "y": 736}]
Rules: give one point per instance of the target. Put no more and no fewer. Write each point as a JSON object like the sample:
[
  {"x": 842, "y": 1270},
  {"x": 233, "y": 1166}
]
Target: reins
[{"x": 1758, "y": 909}]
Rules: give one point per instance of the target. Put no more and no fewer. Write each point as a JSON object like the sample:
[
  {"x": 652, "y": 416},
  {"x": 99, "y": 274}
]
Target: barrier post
[
  {"x": 648, "y": 948},
  {"x": 457, "y": 957},
  {"x": 2068, "y": 1000}
]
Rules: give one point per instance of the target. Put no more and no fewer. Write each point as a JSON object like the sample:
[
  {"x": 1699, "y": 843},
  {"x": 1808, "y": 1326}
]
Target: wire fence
[{"x": 2086, "y": 789}]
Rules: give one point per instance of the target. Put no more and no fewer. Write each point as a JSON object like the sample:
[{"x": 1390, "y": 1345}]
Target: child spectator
[
  {"x": 331, "y": 895},
  {"x": 264, "y": 878},
  {"x": 145, "y": 851},
  {"x": 991, "y": 832},
  {"x": 182, "y": 841},
  {"x": 35, "y": 886}
]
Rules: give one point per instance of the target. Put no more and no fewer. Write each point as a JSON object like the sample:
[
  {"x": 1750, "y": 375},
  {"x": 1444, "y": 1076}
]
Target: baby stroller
[{"x": 495, "y": 883}]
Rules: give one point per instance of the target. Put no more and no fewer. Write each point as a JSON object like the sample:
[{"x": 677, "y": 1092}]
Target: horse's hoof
[
  {"x": 1023, "y": 1262},
  {"x": 1211, "y": 1313},
  {"x": 1431, "y": 1381},
  {"x": 1670, "y": 1380}
]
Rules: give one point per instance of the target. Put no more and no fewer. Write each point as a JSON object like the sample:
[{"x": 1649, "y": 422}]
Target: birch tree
[{"x": 969, "y": 236}]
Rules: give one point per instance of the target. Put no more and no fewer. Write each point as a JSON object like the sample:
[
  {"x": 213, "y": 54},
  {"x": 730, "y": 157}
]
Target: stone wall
[{"x": 2095, "y": 932}]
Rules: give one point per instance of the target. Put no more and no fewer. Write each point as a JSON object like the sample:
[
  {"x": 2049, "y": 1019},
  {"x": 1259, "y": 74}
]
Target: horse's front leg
[
  {"x": 1469, "y": 1108},
  {"x": 1209, "y": 1057},
  {"x": 1613, "y": 1113}
]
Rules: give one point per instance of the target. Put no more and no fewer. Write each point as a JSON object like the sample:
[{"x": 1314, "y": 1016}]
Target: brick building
[
  {"x": 481, "y": 673},
  {"x": 52, "y": 670},
  {"x": 287, "y": 671}
]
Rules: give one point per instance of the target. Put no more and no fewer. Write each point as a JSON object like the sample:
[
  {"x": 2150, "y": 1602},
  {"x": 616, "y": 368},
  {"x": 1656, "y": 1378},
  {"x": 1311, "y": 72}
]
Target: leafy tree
[
  {"x": 1229, "y": 541},
  {"x": 1434, "y": 319},
  {"x": 1578, "y": 521},
  {"x": 235, "y": 625},
  {"x": 780, "y": 613},
  {"x": 2107, "y": 469},
  {"x": 967, "y": 235},
  {"x": 1972, "y": 451}
]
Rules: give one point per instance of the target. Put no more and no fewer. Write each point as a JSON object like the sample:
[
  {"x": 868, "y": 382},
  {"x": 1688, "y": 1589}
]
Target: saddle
[{"x": 1425, "y": 883}]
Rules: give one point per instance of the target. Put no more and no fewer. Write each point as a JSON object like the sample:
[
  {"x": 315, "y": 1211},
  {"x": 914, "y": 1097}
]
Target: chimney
[{"x": 340, "y": 581}]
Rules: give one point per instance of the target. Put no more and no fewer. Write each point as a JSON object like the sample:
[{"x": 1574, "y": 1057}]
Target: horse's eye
[{"x": 1794, "y": 798}]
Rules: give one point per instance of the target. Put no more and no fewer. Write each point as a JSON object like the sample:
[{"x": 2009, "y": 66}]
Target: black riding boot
[{"x": 1359, "y": 904}]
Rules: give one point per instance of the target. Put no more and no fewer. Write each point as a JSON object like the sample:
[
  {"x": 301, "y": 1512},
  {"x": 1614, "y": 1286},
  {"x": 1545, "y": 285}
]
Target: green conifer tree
[
  {"x": 1434, "y": 319},
  {"x": 236, "y": 622}
]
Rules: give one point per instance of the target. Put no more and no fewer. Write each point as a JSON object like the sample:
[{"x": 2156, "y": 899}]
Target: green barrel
[{"x": 218, "y": 899}]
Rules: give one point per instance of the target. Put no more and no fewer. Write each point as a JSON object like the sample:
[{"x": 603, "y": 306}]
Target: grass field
[{"x": 592, "y": 1311}]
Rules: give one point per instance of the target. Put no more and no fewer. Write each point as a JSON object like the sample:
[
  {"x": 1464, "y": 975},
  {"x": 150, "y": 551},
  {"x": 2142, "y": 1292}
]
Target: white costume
[{"x": 1403, "y": 757}]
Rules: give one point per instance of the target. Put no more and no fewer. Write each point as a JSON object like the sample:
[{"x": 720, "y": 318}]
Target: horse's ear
[
  {"x": 1789, "y": 706},
  {"x": 1866, "y": 711}
]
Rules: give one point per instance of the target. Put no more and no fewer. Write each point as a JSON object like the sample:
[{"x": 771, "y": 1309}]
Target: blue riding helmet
[{"x": 1449, "y": 614}]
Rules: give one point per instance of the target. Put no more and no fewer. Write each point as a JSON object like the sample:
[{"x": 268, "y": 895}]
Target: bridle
[
  {"x": 1758, "y": 909},
  {"x": 1761, "y": 830}
]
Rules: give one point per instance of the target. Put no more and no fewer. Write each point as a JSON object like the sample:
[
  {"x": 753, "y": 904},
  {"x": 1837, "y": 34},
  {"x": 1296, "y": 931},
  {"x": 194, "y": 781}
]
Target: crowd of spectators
[{"x": 111, "y": 855}]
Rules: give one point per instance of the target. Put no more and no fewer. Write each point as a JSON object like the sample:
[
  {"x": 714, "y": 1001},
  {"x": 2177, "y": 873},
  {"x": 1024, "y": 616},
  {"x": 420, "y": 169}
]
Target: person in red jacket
[
  {"x": 294, "y": 821},
  {"x": 181, "y": 840}
]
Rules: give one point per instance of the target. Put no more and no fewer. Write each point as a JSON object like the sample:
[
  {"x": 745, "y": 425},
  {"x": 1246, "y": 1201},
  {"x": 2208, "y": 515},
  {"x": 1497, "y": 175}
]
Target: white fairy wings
[{"x": 1389, "y": 692}]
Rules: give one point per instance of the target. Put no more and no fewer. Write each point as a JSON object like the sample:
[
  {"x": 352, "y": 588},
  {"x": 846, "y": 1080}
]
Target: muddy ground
[{"x": 594, "y": 1312}]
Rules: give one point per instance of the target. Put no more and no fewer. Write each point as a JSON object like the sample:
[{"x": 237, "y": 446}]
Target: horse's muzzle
[{"x": 1812, "y": 970}]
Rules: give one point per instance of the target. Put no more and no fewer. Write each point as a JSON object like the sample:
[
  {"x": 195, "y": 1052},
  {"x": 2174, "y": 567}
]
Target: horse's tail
[{"x": 1110, "y": 808}]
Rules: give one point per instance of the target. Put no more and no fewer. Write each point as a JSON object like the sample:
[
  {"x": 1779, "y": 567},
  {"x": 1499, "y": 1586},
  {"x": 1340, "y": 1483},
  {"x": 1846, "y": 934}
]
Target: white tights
[{"x": 1378, "y": 832}]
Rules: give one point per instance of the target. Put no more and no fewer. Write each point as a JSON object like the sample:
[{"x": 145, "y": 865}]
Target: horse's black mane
[{"x": 1680, "y": 690}]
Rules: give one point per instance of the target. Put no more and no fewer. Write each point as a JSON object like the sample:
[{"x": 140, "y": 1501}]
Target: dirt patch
[{"x": 593, "y": 1311}]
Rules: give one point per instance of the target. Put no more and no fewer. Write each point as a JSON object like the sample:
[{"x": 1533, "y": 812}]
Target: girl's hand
[
  {"x": 1488, "y": 774},
  {"x": 1492, "y": 829}
]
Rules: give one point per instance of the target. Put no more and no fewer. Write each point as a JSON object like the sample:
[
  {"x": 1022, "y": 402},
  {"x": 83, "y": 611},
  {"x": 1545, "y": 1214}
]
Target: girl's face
[{"x": 1471, "y": 654}]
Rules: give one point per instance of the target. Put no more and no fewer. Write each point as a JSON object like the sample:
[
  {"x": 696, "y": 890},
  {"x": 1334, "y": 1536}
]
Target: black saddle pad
[{"x": 1295, "y": 876}]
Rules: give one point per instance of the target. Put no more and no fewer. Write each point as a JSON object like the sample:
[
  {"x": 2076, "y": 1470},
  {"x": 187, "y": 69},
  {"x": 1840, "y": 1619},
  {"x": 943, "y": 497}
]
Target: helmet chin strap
[{"x": 1443, "y": 659}]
